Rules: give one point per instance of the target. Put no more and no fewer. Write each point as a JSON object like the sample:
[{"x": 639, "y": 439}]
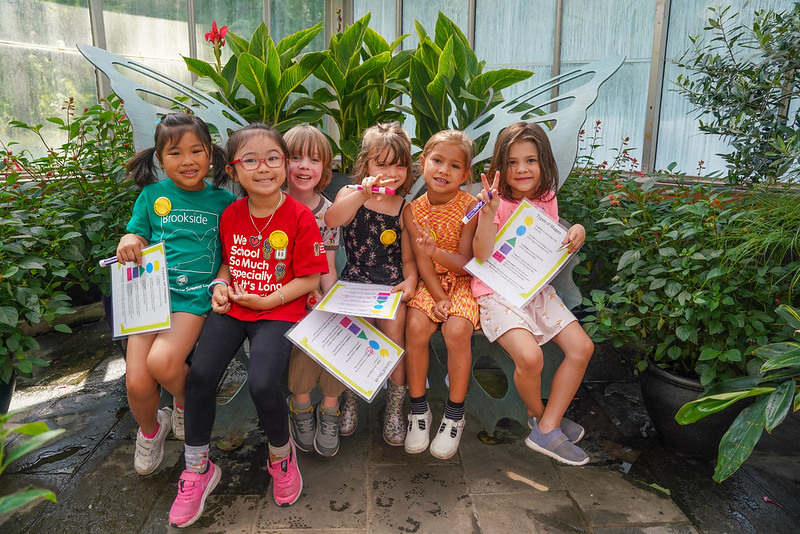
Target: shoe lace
[
  {"x": 329, "y": 427},
  {"x": 304, "y": 425}
]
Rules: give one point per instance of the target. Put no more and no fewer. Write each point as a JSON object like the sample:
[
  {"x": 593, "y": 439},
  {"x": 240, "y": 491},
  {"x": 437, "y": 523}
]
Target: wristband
[
  {"x": 280, "y": 293},
  {"x": 215, "y": 282}
]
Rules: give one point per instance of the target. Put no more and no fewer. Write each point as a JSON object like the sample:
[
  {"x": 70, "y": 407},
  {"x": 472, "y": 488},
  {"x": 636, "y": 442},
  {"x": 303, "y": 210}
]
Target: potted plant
[
  {"x": 59, "y": 212},
  {"x": 262, "y": 81},
  {"x": 775, "y": 387}
]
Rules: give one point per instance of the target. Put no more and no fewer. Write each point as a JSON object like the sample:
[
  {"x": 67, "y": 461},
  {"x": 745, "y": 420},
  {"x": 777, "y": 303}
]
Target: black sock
[
  {"x": 419, "y": 405},
  {"x": 454, "y": 410}
]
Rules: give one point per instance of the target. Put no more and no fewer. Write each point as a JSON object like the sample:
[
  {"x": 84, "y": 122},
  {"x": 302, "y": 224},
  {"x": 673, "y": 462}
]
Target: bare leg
[
  {"x": 166, "y": 360},
  {"x": 395, "y": 330},
  {"x": 416, "y": 358},
  {"x": 457, "y": 333},
  {"x": 578, "y": 350},
  {"x": 142, "y": 388},
  {"x": 528, "y": 360}
]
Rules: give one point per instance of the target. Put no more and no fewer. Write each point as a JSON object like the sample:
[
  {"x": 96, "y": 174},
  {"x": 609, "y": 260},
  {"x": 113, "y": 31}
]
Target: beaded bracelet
[
  {"x": 280, "y": 293},
  {"x": 215, "y": 282}
]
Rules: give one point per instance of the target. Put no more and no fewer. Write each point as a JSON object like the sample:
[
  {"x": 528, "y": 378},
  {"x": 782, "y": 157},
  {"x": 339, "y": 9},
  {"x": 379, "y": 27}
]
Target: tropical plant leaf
[
  {"x": 238, "y": 45},
  {"x": 21, "y": 498},
  {"x": 777, "y": 353},
  {"x": 24, "y": 447},
  {"x": 738, "y": 442},
  {"x": 260, "y": 43},
  {"x": 290, "y": 46},
  {"x": 252, "y": 73},
  {"x": 710, "y": 404},
  {"x": 778, "y": 405},
  {"x": 359, "y": 77},
  {"x": 329, "y": 73},
  {"x": 201, "y": 68}
]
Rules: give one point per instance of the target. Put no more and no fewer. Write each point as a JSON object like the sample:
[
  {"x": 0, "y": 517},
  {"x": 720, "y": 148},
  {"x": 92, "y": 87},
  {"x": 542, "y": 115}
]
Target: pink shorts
[{"x": 544, "y": 316}]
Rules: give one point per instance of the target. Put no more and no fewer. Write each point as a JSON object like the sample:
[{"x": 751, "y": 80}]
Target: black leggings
[{"x": 221, "y": 337}]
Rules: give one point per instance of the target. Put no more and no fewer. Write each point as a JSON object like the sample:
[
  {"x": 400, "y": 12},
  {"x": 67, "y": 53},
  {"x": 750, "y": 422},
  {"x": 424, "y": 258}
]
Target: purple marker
[
  {"x": 474, "y": 211},
  {"x": 108, "y": 261}
]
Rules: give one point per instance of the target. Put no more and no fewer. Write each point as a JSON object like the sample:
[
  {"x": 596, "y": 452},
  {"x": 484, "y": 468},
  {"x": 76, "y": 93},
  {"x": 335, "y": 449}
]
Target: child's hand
[
  {"x": 220, "y": 299},
  {"x": 248, "y": 300},
  {"x": 312, "y": 298},
  {"x": 130, "y": 249},
  {"x": 442, "y": 309},
  {"x": 408, "y": 287},
  {"x": 373, "y": 181},
  {"x": 426, "y": 242},
  {"x": 490, "y": 196},
  {"x": 576, "y": 237}
]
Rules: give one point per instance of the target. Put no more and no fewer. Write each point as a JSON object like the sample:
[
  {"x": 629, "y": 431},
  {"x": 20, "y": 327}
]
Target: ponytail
[
  {"x": 219, "y": 162},
  {"x": 142, "y": 168}
]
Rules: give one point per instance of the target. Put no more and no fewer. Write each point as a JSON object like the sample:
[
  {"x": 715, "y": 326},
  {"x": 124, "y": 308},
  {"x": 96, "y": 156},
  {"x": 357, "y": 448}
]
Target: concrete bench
[{"x": 562, "y": 113}]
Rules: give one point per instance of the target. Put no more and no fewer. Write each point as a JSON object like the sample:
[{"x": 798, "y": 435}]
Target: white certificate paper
[
  {"x": 364, "y": 300},
  {"x": 140, "y": 295},
  {"x": 527, "y": 254},
  {"x": 350, "y": 348}
]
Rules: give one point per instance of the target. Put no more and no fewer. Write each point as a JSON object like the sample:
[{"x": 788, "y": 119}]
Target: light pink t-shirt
[{"x": 504, "y": 211}]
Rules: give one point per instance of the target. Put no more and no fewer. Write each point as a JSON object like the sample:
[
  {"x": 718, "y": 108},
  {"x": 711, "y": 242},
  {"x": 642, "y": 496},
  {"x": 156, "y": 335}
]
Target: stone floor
[{"x": 631, "y": 485}]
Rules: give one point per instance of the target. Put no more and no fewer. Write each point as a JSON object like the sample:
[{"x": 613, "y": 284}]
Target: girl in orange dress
[{"x": 442, "y": 246}]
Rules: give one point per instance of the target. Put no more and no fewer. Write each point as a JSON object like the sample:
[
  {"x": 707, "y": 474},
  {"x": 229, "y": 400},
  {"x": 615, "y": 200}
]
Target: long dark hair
[
  {"x": 169, "y": 131},
  {"x": 525, "y": 131}
]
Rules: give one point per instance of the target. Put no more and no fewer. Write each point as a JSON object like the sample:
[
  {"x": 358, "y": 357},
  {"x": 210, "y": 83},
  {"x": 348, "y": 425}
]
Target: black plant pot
[
  {"x": 664, "y": 394},
  {"x": 6, "y": 390}
]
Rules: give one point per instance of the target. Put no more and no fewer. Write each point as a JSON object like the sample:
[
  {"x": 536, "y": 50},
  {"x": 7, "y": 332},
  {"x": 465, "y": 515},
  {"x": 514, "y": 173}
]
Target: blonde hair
[
  {"x": 307, "y": 140},
  {"x": 383, "y": 138},
  {"x": 456, "y": 137}
]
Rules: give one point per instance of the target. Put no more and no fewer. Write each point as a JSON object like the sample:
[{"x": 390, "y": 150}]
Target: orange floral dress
[{"x": 446, "y": 226}]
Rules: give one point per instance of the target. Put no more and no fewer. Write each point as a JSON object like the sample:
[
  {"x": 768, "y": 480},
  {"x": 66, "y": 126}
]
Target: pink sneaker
[
  {"x": 287, "y": 483},
  {"x": 192, "y": 492}
]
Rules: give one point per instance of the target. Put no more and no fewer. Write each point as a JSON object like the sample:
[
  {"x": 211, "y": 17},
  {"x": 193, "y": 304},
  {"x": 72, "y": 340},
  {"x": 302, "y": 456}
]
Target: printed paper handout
[
  {"x": 140, "y": 294},
  {"x": 364, "y": 300},
  {"x": 350, "y": 348},
  {"x": 527, "y": 254}
]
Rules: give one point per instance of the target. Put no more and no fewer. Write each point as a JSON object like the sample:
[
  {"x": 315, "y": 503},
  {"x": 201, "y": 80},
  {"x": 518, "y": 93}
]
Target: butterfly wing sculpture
[
  {"x": 562, "y": 125},
  {"x": 144, "y": 115}
]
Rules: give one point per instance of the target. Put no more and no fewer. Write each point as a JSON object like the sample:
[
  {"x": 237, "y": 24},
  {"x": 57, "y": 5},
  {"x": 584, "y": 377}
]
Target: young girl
[
  {"x": 272, "y": 257},
  {"x": 378, "y": 250},
  {"x": 524, "y": 167},
  {"x": 183, "y": 211},
  {"x": 309, "y": 173},
  {"x": 443, "y": 245}
]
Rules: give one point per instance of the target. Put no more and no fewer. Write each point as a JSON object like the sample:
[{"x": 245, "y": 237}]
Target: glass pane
[
  {"x": 157, "y": 40},
  {"x": 426, "y": 12},
  {"x": 35, "y": 81},
  {"x": 622, "y": 100},
  {"x": 383, "y": 19},
  {"x": 241, "y": 18},
  {"x": 680, "y": 138}
]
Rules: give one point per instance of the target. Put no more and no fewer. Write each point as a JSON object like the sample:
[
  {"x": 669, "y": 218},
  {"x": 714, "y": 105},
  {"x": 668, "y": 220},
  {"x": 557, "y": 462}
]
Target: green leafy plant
[
  {"x": 448, "y": 86},
  {"x": 262, "y": 81},
  {"x": 742, "y": 79},
  {"x": 662, "y": 273},
  {"x": 59, "y": 213},
  {"x": 775, "y": 386},
  {"x": 364, "y": 76},
  {"x": 39, "y": 434}
]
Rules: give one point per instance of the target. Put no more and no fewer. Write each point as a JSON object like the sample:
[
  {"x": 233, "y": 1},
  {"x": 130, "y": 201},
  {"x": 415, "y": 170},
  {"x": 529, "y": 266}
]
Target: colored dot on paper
[
  {"x": 374, "y": 345},
  {"x": 384, "y": 353},
  {"x": 521, "y": 230},
  {"x": 156, "y": 266},
  {"x": 378, "y": 306},
  {"x": 149, "y": 267},
  {"x": 529, "y": 220}
]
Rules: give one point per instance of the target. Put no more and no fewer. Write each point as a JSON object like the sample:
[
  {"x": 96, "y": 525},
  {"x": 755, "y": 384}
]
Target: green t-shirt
[{"x": 189, "y": 227}]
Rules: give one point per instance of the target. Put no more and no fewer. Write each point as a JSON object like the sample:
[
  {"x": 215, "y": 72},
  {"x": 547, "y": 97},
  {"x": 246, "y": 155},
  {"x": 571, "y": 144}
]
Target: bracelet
[
  {"x": 215, "y": 282},
  {"x": 280, "y": 293}
]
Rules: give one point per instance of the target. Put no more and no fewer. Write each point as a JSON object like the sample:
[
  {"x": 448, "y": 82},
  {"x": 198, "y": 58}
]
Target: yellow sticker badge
[
  {"x": 388, "y": 237},
  {"x": 162, "y": 206},
  {"x": 278, "y": 239}
]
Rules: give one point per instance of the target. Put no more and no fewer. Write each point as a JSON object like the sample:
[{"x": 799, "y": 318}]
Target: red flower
[{"x": 217, "y": 36}]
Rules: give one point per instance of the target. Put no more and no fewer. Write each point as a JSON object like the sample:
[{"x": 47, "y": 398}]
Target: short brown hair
[
  {"x": 381, "y": 138},
  {"x": 307, "y": 140},
  {"x": 525, "y": 131}
]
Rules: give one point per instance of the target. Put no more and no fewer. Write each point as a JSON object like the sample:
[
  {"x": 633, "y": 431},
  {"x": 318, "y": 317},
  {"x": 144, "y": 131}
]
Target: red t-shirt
[{"x": 260, "y": 267}]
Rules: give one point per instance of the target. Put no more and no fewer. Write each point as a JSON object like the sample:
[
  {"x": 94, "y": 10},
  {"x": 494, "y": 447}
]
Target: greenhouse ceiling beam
[
  {"x": 655, "y": 85},
  {"x": 98, "y": 27}
]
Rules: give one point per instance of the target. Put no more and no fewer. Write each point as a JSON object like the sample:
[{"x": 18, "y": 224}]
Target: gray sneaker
[
  {"x": 302, "y": 426},
  {"x": 326, "y": 440},
  {"x": 556, "y": 445}
]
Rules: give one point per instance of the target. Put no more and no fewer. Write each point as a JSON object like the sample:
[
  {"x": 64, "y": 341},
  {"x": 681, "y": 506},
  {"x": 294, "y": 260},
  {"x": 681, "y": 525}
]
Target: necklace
[{"x": 256, "y": 240}]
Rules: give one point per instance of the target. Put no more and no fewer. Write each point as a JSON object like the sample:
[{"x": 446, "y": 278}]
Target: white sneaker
[
  {"x": 177, "y": 423},
  {"x": 418, "y": 435},
  {"x": 150, "y": 452},
  {"x": 445, "y": 444}
]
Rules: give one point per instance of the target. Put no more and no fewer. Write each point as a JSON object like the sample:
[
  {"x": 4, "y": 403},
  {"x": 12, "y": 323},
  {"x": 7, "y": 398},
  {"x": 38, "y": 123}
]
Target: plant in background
[
  {"x": 39, "y": 434},
  {"x": 448, "y": 86},
  {"x": 742, "y": 79},
  {"x": 58, "y": 214},
  {"x": 364, "y": 77},
  {"x": 217, "y": 39},
  {"x": 262, "y": 80},
  {"x": 775, "y": 386}
]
